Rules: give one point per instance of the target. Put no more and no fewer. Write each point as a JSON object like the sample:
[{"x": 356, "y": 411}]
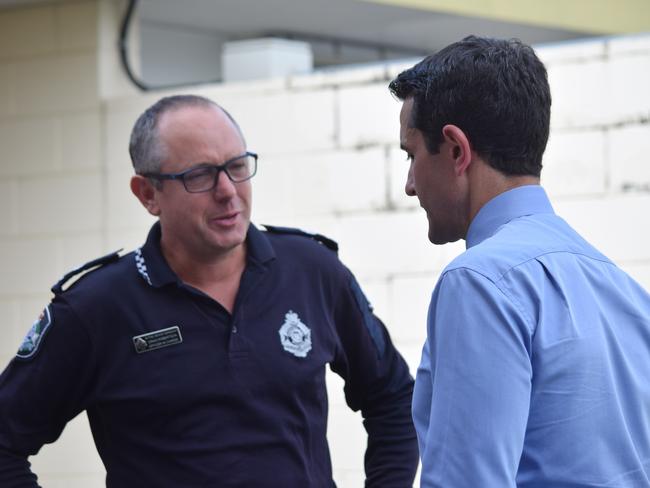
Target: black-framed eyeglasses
[{"x": 204, "y": 177}]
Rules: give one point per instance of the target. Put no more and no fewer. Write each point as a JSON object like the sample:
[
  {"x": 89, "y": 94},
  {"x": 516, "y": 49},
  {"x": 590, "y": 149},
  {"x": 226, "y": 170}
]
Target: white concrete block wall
[{"x": 329, "y": 162}]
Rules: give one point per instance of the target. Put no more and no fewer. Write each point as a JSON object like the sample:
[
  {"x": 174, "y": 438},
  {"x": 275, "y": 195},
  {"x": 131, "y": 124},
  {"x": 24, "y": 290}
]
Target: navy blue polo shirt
[{"x": 180, "y": 393}]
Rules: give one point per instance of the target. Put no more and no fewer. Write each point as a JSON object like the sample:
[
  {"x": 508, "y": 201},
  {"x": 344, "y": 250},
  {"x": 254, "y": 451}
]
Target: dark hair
[
  {"x": 495, "y": 90},
  {"x": 145, "y": 148}
]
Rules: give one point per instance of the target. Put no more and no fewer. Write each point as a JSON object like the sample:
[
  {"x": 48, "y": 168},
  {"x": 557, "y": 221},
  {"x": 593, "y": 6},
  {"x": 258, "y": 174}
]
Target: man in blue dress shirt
[{"x": 536, "y": 368}]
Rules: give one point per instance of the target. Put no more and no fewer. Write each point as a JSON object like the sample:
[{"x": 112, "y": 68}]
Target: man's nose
[
  {"x": 409, "y": 188},
  {"x": 224, "y": 188}
]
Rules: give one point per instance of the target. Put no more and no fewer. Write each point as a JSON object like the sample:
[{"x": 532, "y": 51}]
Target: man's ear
[
  {"x": 144, "y": 190},
  {"x": 459, "y": 147}
]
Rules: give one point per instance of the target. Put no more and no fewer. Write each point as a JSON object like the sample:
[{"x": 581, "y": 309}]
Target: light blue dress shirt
[{"x": 536, "y": 368}]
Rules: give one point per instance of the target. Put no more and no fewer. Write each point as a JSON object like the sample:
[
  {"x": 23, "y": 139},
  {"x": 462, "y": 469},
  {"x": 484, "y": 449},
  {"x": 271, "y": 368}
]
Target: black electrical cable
[{"x": 123, "y": 44}]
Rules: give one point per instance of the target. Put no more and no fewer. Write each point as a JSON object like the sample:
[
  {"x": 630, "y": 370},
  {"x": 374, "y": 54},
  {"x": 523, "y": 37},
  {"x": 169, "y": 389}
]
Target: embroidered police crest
[
  {"x": 35, "y": 335},
  {"x": 295, "y": 336}
]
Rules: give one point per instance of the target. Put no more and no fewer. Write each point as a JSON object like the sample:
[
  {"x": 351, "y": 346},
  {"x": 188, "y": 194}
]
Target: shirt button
[{"x": 234, "y": 329}]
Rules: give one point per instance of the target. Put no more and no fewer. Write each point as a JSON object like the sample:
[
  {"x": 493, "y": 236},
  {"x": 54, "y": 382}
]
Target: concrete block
[
  {"x": 77, "y": 25},
  {"x": 127, "y": 240},
  {"x": 8, "y": 200},
  {"x": 640, "y": 272},
  {"x": 368, "y": 115},
  {"x": 27, "y": 32},
  {"x": 60, "y": 83},
  {"x": 29, "y": 144},
  {"x": 630, "y": 79},
  {"x": 627, "y": 152},
  {"x": 81, "y": 141},
  {"x": 60, "y": 204},
  {"x": 71, "y": 457},
  {"x": 616, "y": 225},
  {"x": 380, "y": 244},
  {"x": 339, "y": 76},
  {"x": 410, "y": 298},
  {"x": 325, "y": 182},
  {"x": 9, "y": 340},
  {"x": 6, "y": 70},
  {"x": 123, "y": 209},
  {"x": 574, "y": 163},
  {"x": 80, "y": 248},
  {"x": 398, "y": 168},
  {"x": 96, "y": 480},
  {"x": 412, "y": 354},
  {"x": 635, "y": 43},
  {"x": 570, "y": 52},
  {"x": 581, "y": 94},
  {"x": 28, "y": 265},
  {"x": 118, "y": 123},
  {"x": 347, "y": 438},
  {"x": 284, "y": 122}
]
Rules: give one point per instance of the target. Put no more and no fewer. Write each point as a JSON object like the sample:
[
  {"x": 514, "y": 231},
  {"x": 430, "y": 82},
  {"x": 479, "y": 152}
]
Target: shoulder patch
[
  {"x": 91, "y": 265},
  {"x": 325, "y": 241},
  {"x": 34, "y": 337}
]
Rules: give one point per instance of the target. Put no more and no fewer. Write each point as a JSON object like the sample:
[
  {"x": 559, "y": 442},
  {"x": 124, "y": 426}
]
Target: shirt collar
[
  {"x": 507, "y": 206},
  {"x": 153, "y": 267}
]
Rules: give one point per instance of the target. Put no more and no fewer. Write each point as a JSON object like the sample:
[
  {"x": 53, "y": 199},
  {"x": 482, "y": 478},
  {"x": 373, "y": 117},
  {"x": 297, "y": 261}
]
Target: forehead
[
  {"x": 405, "y": 118},
  {"x": 199, "y": 134}
]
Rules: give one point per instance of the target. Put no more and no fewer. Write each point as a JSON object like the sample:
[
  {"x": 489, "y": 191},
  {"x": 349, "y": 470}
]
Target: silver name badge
[{"x": 157, "y": 339}]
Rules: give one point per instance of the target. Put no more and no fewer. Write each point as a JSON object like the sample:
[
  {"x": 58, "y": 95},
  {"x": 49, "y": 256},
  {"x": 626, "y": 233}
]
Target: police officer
[{"x": 200, "y": 357}]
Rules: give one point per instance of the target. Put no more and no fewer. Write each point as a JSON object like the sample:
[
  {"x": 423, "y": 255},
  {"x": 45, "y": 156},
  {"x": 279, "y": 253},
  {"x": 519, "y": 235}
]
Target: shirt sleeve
[
  {"x": 39, "y": 394},
  {"x": 477, "y": 370},
  {"x": 377, "y": 382}
]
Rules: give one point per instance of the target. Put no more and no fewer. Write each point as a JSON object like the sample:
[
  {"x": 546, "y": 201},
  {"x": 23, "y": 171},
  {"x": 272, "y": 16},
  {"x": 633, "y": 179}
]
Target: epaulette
[
  {"x": 325, "y": 241},
  {"x": 91, "y": 265}
]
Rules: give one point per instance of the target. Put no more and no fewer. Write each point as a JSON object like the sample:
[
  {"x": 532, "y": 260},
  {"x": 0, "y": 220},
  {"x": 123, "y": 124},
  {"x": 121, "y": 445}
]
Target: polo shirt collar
[
  {"x": 507, "y": 206},
  {"x": 153, "y": 267}
]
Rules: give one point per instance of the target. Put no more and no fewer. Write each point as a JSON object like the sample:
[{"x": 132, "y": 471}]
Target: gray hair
[{"x": 145, "y": 147}]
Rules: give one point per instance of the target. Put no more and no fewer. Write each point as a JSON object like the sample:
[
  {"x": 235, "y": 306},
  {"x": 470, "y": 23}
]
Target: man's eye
[{"x": 199, "y": 173}]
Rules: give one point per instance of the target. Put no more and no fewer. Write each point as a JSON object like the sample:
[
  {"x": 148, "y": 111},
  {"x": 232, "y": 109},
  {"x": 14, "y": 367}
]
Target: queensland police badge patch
[
  {"x": 295, "y": 336},
  {"x": 35, "y": 335}
]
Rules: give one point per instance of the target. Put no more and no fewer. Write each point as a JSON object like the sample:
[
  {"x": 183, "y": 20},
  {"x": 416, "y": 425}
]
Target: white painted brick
[
  {"x": 73, "y": 455},
  {"x": 29, "y": 145},
  {"x": 396, "y": 67},
  {"x": 339, "y": 76},
  {"x": 77, "y": 25},
  {"x": 628, "y": 150},
  {"x": 81, "y": 141},
  {"x": 376, "y": 245},
  {"x": 574, "y": 163},
  {"x": 8, "y": 205},
  {"x": 347, "y": 438},
  {"x": 398, "y": 168},
  {"x": 127, "y": 240},
  {"x": 615, "y": 225},
  {"x": 325, "y": 182},
  {"x": 80, "y": 248},
  {"x": 5, "y": 88},
  {"x": 639, "y": 271},
  {"x": 27, "y": 31},
  {"x": 9, "y": 340},
  {"x": 60, "y": 83},
  {"x": 581, "y": 94},
  {"x": 124, "y": 210},
  {"x": 28, "y": 265},
  {"x": 368, "y": 115},
  {"x": 285, "y": 122},
  {"x": 637, "y": 43},
  {"x": 71, "y": 480},
  {"x": 412, "y": 354},
  {"x": 630, "y": 79},
  {"x": 349, "y": 478},
  {"x": 566, "y": 52},
  {"x": 119, "y": 121},
  {"x": 60, "y": 204},
  {"x": 410, "y": 297}
]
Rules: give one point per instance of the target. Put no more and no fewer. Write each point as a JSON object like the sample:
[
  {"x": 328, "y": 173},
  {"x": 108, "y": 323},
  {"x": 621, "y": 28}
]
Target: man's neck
[{"x": 217, "y": 275}]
